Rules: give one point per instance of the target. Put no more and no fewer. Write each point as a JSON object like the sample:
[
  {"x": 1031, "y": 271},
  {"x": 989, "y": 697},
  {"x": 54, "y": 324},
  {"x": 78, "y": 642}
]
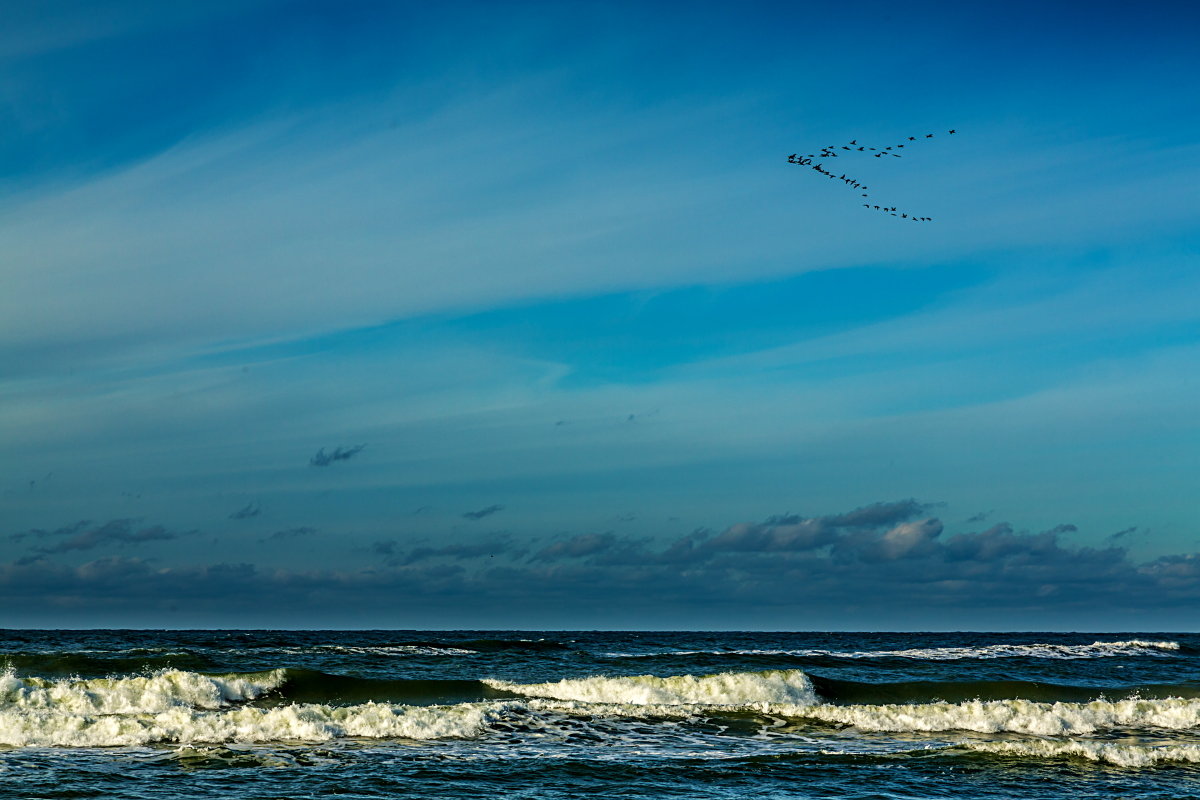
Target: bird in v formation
[{"x": 853, "y": 146}]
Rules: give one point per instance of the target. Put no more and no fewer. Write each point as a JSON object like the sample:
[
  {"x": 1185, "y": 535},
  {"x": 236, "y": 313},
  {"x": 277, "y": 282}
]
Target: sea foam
[
  {"x": 1132, "y": 647},
  {"x": 742, "y": 689},
  {"x": 1121, "y": 755},
  {"x": 245, "y": 724},
  {"x": 1013, "y": 716},
  {"x": 161, "y": 691},
  {"x": 184, "y": 707}
]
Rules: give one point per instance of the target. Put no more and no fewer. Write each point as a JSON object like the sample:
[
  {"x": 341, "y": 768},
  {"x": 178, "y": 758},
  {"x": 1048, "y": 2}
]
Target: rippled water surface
[{"x": 275, "y": 714}]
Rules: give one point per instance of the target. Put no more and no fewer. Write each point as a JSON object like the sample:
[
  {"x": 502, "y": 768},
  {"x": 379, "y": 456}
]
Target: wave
[
  {"x": 1133, "y": 647},
  {"x": 455, "y": 647},
  {"x": 282, "y": 705},
  {"x": 1010, "y": 716},
  {"x": 843, "y": 692},
  {"x": 163, "y": 691},
  {"x": 1121, "y": 755},
  {"x": 723, "y": 689},
  {"x": 99, "y": 662},
  {"x": 245, "y": 724},
  {"x": 793, "y": 696},
  {"x": 464, "y": 647},
  {"x": 168, "y": 689},
  {"x": 427, "y": 649}
]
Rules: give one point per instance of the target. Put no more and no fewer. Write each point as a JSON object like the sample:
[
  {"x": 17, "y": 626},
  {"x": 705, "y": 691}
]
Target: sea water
[{"x": 364, "y": 714}]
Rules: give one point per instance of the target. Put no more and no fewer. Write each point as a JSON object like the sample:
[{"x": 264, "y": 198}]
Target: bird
[
  {"x": 952, "y": 131},
  {"x": 929, "y": 136},
  {"x": 912, "y": 138},
  {"x": 855, "y": 141}
]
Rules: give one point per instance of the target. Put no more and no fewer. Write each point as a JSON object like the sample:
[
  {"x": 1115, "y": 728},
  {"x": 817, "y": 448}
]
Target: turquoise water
[{"x": 290, "y": 714}]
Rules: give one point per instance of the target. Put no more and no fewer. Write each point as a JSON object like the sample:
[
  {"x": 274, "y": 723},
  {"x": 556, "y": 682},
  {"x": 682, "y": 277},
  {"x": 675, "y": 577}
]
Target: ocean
[{"x": 372, "y": 714}]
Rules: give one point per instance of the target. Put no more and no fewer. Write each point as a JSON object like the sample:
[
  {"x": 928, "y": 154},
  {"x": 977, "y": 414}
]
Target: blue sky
[{"x": 549, "y": 261}]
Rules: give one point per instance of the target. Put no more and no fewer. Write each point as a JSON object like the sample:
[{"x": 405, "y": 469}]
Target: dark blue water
[{"x": 291, "y": 714}]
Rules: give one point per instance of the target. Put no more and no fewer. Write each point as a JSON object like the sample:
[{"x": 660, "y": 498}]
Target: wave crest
[
  {"x": 1012, "y": 716},
  {"x": 1121, "y": 755},
  {"x": 138, "y": 694},
  {"x": 1132, "y": 647},
  {"x": 245, "y": 724},
  {"x": 723, "y": 689}
]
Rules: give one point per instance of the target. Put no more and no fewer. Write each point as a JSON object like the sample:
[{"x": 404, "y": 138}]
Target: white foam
[
  {"x": 1133, "y": 647},
  {"x": 743, "y": 689},
  {"x": 1121, "y": 755},
  {"x": 1015, "y": 716},
  {"x": 161, "y": 691},
  {"x": 245, "y": 724},
  {"x": 379, "y": 650}
]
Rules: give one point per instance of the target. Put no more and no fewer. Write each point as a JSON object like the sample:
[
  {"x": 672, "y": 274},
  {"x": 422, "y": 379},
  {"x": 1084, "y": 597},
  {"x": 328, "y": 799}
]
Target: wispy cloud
[
  {"x": 246, "y": 512},
  {"x": 323, "y": 459},
  {"x": 1121, "y": 534},
  {"x": 483, "y": 512},
  {"x": 121, "y": 532}
]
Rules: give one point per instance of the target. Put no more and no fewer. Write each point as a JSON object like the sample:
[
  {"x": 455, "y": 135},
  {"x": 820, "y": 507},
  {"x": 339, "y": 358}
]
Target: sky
[{"x": 516, "y": 316}]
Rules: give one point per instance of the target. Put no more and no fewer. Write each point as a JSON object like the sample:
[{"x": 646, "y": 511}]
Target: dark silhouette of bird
[{"x": 830, "y": 151}]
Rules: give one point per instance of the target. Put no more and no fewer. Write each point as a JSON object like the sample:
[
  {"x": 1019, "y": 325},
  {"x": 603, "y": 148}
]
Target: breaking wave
[
  {"x": 1133, "y": 647},
  {"x": 135, "y": 695},
  {"x": 245, "y": 724},
  {"x": 1117, "y": 754},
  {"x": 1012, "y": 716},
  {"x": 743, "y": 689},
  {"x": 180, "y": 707}
]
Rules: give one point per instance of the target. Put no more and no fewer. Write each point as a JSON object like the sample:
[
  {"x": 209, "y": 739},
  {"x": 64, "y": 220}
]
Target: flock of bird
[{"x": 854, "y": 147}]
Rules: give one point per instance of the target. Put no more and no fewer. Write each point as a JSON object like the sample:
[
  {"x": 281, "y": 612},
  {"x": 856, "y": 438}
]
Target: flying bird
[{"x": 830, "y": 151}]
